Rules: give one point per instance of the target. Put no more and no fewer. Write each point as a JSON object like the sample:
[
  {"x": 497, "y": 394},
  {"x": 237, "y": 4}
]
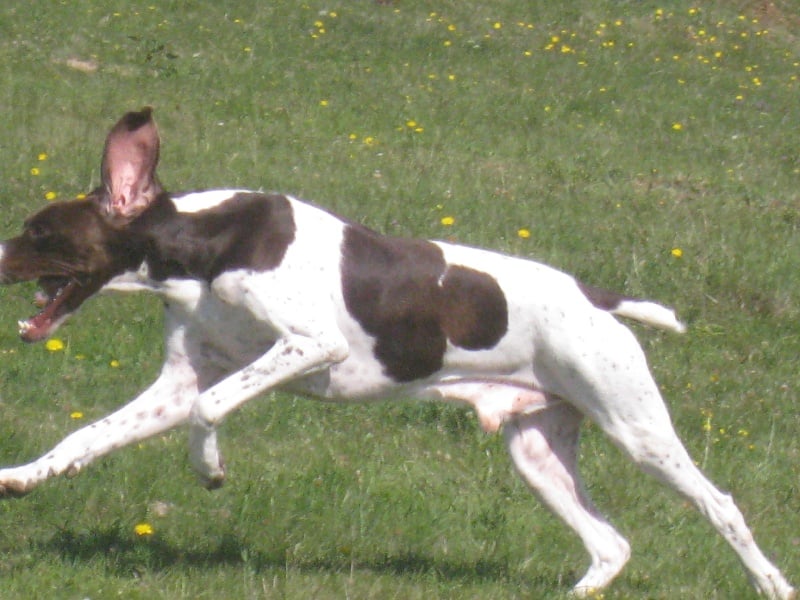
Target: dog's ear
[{"x": 129, "y": 165}]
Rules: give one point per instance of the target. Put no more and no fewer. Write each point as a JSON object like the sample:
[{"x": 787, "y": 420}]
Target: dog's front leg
[
  {"x": 291, "y": 357},
  {"x": 162, "y": 406}
]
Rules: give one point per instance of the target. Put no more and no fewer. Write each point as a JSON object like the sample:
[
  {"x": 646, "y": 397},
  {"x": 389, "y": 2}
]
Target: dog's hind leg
[
  {"x": 658, "y": 451},
  {"x": 543, "y": 446},
  {"x": 616, "y": 390}
]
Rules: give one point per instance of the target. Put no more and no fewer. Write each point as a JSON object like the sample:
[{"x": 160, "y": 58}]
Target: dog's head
[{"x": 74, "y": 248}]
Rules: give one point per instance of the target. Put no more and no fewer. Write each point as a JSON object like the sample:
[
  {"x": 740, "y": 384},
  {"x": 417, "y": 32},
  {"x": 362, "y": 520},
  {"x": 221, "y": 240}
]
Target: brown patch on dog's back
[{"x": 403, "y": 293}]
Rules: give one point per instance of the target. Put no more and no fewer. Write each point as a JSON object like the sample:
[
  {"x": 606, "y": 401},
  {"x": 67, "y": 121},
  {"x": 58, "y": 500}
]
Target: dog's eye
[{"x": 38, "y": 231}]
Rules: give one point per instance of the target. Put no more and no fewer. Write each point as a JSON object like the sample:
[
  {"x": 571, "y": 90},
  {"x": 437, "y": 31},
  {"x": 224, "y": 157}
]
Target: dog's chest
[{"x": 218, "y": 332}]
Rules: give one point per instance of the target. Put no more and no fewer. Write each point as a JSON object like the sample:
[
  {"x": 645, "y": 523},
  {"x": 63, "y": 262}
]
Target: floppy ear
[{"x": 129, "y": 165}]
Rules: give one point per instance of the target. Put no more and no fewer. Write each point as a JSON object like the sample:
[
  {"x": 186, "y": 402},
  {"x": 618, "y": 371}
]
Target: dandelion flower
[
  {"x": 677, "y": 126},
  {"x": 143, "y": 529},
  {"x": 76, "y": 415},
  {"x": 35, "y": 171},
  {"x": 524, "y": 233},
  {"x": 54, "y": 345},
  {"x": 677, "y": 252},
  {"x": 42, "y": 156},
  {"x": 50, "y": 196},
  {"x": 448, "y": 221},
  {"x": 114, "y": 363}
]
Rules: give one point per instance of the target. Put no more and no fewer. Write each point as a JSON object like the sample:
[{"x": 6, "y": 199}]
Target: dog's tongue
[{"x": 39, "y": 327}]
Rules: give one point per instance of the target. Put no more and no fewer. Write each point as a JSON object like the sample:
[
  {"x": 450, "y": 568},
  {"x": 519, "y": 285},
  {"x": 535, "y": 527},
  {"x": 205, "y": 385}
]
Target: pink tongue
[
  {"x": 39, "y": 326},
  {"x": 36, "y": 328}
]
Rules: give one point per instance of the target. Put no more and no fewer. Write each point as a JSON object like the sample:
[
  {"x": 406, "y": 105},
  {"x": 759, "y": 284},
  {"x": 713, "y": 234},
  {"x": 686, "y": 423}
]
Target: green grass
[{"x": 614, "y": 131}]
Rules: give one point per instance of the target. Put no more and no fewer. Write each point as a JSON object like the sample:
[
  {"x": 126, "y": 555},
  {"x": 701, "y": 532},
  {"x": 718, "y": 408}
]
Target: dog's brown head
[{"x": 74, "y": 248}]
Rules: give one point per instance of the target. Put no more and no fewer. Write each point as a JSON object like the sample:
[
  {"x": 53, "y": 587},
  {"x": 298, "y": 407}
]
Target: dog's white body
[{"x": 559, "y": 359}]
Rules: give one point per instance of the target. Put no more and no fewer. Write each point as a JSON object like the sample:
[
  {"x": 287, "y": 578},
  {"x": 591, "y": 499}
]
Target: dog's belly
[{"x": 362, "y": 377}]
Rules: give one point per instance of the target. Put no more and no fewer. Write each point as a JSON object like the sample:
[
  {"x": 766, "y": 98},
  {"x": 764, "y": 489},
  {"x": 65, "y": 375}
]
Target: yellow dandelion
[
  {"x": 323, "y": 103},
  {"x": 677, "y": 127},
  {"x": 143, "y": 529},
  {"x": 448, "y": 221},
  {"x": 677, "y": 252},
  {"x": 35, "y": 171},
  {"x": 524, "y": 233},
  {"x": 76, "y": 414},
  {"x": 114, "y": 363},
  {"x": 50, "y": 196},
  {"x": 54, "y": 345},
  {"x": 42, "y": 156}
]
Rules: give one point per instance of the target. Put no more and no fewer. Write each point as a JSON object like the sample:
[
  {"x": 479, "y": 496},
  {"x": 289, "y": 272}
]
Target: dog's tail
[{"x": 644, "y": 311}]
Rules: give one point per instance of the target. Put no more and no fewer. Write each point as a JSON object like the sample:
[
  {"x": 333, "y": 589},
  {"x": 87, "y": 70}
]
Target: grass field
[{"x": 648, "y": 147}]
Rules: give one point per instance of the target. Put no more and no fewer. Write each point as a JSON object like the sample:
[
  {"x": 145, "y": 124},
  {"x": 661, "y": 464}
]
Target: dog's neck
[{"x": 248, "y": 231}]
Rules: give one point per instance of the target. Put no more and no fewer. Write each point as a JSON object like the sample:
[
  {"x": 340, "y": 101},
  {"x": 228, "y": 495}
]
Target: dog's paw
[
  {"x": 214, "y": 483},
  {"x": 13, "y": 489}
]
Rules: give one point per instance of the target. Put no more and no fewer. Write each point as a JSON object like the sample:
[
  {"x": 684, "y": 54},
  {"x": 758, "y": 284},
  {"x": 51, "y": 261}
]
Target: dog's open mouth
[{"x": 53, "y": 297}]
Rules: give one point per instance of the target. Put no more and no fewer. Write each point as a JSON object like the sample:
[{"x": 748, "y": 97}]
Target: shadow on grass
[{"x": 127, "y": 557}]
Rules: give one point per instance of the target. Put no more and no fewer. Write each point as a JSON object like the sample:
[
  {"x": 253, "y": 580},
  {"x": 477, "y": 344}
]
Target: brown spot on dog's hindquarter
[{"x": 402, "y": 292}]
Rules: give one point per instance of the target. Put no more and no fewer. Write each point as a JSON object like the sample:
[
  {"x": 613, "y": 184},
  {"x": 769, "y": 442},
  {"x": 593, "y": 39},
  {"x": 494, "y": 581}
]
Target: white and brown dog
[{"x": 264, "y": 291}]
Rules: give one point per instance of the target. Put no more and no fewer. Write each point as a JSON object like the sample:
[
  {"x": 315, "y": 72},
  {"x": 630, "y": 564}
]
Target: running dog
[{"x": 264, "y": 291}]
